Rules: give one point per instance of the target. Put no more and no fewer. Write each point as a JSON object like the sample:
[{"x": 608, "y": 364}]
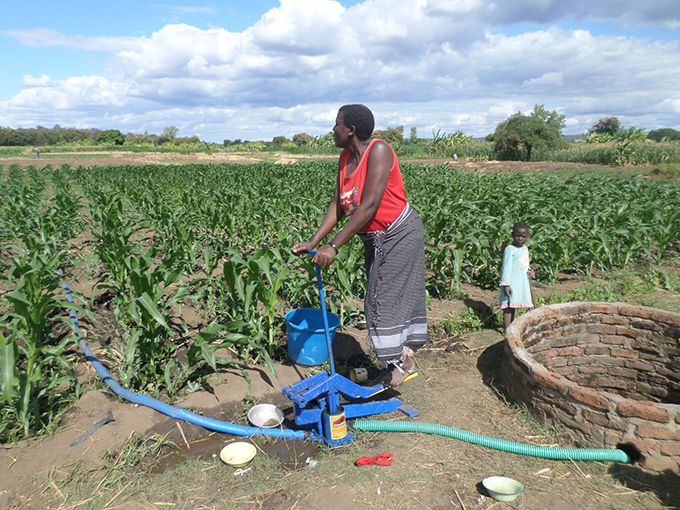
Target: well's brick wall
[{"x": 608, "y": 372}]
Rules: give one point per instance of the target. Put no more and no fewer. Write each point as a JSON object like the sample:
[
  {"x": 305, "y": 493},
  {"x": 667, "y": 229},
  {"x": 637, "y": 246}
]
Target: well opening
[{"x": 609, "y": 373}]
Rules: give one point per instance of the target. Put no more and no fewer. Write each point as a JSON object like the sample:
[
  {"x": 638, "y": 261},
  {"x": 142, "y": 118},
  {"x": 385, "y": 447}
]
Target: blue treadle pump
[{"x": 317, "y": 399}]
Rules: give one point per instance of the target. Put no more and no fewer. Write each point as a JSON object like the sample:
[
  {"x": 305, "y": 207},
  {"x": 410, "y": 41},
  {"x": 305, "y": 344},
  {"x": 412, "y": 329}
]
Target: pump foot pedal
[{"x": 408, "y": 411}]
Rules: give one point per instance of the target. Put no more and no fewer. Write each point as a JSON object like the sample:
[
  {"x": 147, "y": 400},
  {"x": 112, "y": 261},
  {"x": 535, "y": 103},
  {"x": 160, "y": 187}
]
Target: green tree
[
  {"x": 609, "y": 125},
  {"x": 170, "y": 132},
  {"x": 392, "y": 135},
  {"x": 325, "y": 141},
  {"x": 540, "y": 129},
  {"x": 111, "y": 137},
  {"x": 659, "y": 134},
  {"x": 280, "y": 140},
  {"x": 303, "y": 139},
  {"x": 413, "y": 138}
]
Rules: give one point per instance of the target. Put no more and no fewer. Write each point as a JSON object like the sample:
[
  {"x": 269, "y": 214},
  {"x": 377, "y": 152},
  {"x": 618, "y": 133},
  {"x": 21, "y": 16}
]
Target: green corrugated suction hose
[{"x": 614, "y": 455}]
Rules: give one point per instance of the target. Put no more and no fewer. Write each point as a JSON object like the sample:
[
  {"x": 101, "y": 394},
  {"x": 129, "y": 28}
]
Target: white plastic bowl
[
  {"x": 238, "y": 454},
  {"x": 502, "y": 488},
  {"x": 265, "y": 416}
]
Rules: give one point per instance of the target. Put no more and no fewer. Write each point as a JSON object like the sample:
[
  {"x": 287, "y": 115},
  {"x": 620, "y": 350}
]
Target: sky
[{"x": 262, "y": 68}]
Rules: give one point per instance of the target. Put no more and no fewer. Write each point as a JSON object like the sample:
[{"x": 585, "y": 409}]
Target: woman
[{"x": 369, "y": 189}]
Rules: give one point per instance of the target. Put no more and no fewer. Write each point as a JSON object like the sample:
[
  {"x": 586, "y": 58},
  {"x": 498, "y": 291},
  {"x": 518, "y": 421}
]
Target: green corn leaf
[
  {"x": 173, "y": 277},
  {"x": 246, "y": 375},
  {"x": 25, "y": 386},
  {"x": 151, "y": 307},
  {"x": 133, "y": 310},
  {"x": 269, "y": 363},
  {"x": 179, "y": 295},
  {"x": 78, "y": 309},
  {"x": 235, "y": 325},
  {"x": 213, "y": 327},
  {"x": 235, "y": 337},
  {"x": 209, "y": 356},
  {"x": 7, "y": 360},
  {"x": 22, "y": 306},
  {"x": 167, "y": 373},
  {"x": 131, "y": 346}
]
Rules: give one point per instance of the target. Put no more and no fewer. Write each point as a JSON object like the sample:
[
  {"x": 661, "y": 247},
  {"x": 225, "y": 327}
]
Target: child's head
[{"x": 520, "y": 233}]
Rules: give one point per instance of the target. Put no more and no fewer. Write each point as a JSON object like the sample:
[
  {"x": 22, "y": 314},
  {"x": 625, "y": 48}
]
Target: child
[{"x": 515, "y": 289}]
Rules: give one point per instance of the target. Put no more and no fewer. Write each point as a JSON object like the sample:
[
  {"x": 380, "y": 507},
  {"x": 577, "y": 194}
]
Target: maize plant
[{"x": 219, "y": 237}]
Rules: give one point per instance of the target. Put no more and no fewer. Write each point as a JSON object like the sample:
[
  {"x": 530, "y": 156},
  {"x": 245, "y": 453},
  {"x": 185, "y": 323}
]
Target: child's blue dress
[{"x": 514, "y": 273}]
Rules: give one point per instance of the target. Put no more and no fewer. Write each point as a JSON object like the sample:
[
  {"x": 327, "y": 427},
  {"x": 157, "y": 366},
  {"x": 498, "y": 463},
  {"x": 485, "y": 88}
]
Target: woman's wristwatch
[{"x": 332, "y": 245}]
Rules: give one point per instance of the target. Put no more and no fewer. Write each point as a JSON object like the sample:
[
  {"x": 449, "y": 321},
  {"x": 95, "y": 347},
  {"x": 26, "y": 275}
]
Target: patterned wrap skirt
[{"x": 395, "y": 304}]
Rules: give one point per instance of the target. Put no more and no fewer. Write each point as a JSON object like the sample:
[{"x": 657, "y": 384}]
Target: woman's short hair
[{"x": 360, "y": 117}]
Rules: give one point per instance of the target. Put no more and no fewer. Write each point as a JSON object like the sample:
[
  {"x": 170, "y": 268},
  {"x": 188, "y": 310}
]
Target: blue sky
[{"x": 260, "y": 68}]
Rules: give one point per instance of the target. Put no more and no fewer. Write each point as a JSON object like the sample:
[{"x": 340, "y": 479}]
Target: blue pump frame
[{"x": 320, "y": 394}]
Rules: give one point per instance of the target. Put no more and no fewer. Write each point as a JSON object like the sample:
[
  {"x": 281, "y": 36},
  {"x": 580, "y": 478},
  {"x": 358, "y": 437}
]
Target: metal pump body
[{"x": 317, "y": 403}]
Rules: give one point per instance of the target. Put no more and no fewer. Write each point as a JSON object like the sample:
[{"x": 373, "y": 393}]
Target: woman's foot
[{"x": 398, "y": 371}]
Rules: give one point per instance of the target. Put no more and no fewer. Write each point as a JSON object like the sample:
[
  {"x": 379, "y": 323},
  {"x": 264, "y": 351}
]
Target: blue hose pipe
[{"x": 171, "y": 411}]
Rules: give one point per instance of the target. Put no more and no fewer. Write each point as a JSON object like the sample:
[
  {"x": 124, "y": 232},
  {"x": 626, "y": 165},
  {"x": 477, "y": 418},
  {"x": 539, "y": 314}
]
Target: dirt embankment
[{"x": 88, "y": 159}]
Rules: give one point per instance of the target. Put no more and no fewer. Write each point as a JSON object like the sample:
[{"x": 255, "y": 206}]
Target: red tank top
[{"x": 352, "y": 187}]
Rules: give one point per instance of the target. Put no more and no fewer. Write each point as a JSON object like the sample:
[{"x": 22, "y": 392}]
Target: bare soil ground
[
  {"x": 88, "y": 159},
  {"x": 458, "y": 387}
]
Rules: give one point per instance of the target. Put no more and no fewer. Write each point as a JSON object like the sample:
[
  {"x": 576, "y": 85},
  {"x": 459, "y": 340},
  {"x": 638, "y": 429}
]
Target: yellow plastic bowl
[
  {"x": 238, "y": 454},
  {"x": 502, "y": 488}
]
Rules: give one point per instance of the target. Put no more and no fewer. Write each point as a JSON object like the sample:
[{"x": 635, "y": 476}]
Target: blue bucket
[{"x": 307, "y": 337}]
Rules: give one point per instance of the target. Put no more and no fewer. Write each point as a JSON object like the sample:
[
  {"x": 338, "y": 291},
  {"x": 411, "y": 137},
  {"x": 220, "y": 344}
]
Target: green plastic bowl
[{"x": 502, "y": 488}]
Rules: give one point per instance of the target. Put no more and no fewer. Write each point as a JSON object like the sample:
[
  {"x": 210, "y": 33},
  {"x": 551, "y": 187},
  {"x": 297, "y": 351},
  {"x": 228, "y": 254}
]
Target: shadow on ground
[
  {"x": 346, "y": 346},
  {"x": 489, "y": 365},
  {"x": 665, "y": 485}
]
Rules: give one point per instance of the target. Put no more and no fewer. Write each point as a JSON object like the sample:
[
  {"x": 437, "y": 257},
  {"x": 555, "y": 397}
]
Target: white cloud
[
  {"x": 435, "y": 64},
  {"x": 77, "y": 93},
  {"x": 552, "y": 79},
  {"x": 47, "y": 38},
  {"x": 41, "y": 81},
  {"x": 664, "y": 13},
  {"x": 671, "y": 104},
  {"x": 190, "y": 9},
  {"x": 506, "y": 108},
  {"x": 300, "y": 27},
  {"x": 451, "y": 7}
]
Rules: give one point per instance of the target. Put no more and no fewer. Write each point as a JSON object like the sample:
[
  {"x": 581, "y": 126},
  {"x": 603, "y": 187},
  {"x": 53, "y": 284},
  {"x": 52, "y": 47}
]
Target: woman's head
[
  {"x": 520, "y": 233},
  {"x": 358, "y": 118}
]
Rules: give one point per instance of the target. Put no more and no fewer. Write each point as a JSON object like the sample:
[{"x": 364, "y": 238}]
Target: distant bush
[
  {"x": 111, "y": 137},
  {"x": 518, "y": 135},
  {"x": 303, "y": 139},
  {"x": 658, "y": 135},
  {"x": 392, "y": 135},
  {"x": 608, "y": 125},
  {"x": 629, "y": 134}
]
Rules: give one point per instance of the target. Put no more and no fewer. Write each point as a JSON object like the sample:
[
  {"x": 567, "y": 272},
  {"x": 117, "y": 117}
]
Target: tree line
[
  {"x": 43, "y": 136},
  {"x": 517, "y": 137}
]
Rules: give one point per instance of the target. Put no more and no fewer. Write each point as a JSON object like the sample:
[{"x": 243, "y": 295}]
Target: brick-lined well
[{"x": 609, "y": 373}]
